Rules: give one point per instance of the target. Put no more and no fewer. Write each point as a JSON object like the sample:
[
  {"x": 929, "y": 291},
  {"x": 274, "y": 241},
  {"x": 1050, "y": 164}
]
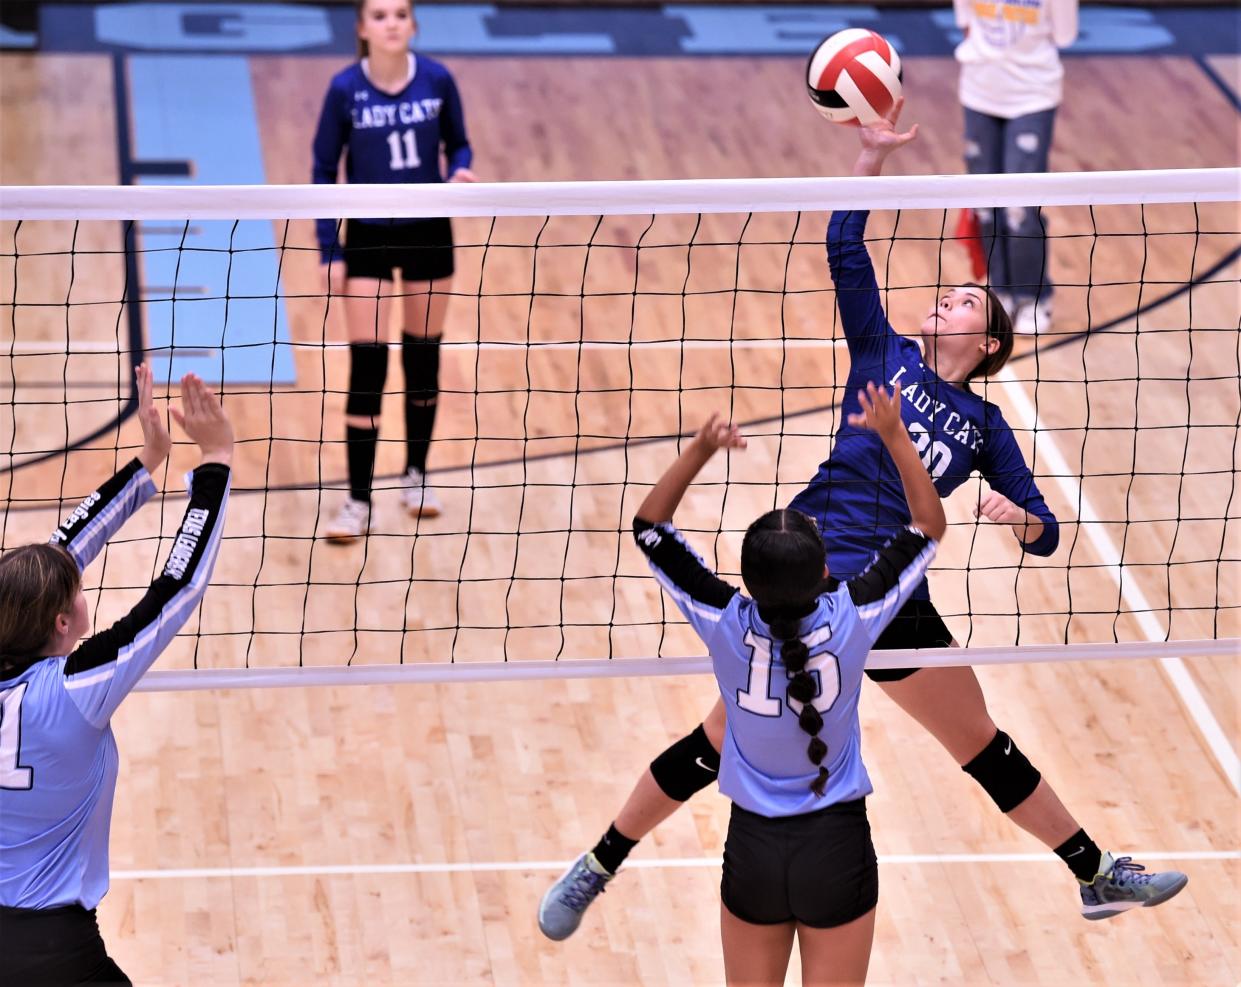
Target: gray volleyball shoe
[
  {"x": 1121, "y": 884},
  {"x": 566, "y": 901}
]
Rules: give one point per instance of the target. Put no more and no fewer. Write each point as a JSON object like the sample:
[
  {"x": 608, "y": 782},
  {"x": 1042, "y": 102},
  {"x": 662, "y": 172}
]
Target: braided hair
[{"x": 782, "y": 563}]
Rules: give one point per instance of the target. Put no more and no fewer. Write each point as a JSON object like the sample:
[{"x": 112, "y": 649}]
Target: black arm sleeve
[
  {"x": 106, "y": 666},
  {"x": 884, "y": 574},
  {"x": 698, "y": 592}
]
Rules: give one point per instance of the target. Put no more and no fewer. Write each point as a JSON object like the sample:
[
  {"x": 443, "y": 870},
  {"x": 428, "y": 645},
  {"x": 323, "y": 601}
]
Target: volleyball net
[{"x": 591, "y": 328}]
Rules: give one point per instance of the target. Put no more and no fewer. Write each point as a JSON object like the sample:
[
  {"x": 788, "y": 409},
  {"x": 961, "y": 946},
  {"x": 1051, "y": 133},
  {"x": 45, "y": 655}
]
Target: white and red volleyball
[{"x": 854, "y": 77}]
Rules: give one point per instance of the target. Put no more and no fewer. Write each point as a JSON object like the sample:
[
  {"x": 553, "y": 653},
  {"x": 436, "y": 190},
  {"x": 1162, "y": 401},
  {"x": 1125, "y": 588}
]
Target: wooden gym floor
[{"x": 404, "y": 835}]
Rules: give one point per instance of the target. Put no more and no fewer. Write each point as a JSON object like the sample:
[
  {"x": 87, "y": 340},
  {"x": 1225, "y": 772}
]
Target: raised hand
[
  {"x": 156, "y": 442},
  {"x": 880, "y": 139},
  {"x": 204, "y": 421},
  {"x": 881, "y": 412},
  {"x": 718, "y": 434}
]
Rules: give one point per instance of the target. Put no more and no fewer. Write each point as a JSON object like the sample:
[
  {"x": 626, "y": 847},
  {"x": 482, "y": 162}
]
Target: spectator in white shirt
[{"x": 1011, "y": 84}]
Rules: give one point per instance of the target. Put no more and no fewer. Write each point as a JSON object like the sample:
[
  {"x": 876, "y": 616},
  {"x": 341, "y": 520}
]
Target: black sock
[
  {"x": 419, "y": 424},
  {"x": 1081, "y": 855},
  {"x": 420, "y": 359},
  {"x": 360, "y": 451},
  {"x": 612, "y": 850}
]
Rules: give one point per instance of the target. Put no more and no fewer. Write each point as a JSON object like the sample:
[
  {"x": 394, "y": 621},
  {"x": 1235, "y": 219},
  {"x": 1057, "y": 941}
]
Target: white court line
[
  {"x": 1130, "y": 591},
  {"x": 666, "y": 863}
]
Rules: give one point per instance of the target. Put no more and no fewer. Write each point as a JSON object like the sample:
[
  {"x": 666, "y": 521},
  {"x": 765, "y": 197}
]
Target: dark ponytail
[
  {"x": 782, "y": 564},
  {"x": 999, "y": 327},
  {"x": 795, "y": 654}
]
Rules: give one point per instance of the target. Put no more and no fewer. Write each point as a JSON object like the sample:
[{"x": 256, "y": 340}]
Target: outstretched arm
[
  {"x": 100, "y": 673},
  {"x": 661, "y": 503},
  {"x": 89, "y": 526},
  {"x": 862, "y": 317},
  {"x": 699, "y": 593}
]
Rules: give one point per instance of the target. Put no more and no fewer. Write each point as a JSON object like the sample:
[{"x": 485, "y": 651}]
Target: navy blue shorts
[
  {"x": 421, "y": 249},
  {"x": 916, "y": 625}
]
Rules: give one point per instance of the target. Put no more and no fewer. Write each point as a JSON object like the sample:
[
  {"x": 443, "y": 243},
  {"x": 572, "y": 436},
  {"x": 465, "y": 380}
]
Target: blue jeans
[{"x": 1014, "y": 239}]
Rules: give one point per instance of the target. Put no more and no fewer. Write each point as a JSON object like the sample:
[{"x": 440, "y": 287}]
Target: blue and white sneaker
[
  {"x": 1121, "y": 884},
  {"x": 566, "y": 901}
]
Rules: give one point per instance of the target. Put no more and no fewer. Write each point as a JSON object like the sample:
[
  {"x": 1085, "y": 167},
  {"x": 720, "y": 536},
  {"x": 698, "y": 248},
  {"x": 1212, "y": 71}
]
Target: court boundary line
[
  {"x": 1089, "y": 521},
  {"x": 658, "y": 863}
]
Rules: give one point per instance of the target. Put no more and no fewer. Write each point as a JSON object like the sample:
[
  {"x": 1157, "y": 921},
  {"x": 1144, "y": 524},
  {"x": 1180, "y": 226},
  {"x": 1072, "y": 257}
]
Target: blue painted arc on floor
[{"x": 210, "y": 291}]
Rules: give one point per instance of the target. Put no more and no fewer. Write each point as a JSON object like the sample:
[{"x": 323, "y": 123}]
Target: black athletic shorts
[
  {"x": 818, "y": 868},
  {"x": 421, "y": 249},
  {"x": 54, "y": 946},
  {"x": 916, "y": 625}
]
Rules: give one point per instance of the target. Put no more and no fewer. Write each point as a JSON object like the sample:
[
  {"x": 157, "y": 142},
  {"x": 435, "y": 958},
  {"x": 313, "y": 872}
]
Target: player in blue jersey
[
  {"x": 798, "y": 860},
  {"x": 390, "y": 114},
  {"x": 856, "y": 499},
  {"x": 58, "y": 758}
]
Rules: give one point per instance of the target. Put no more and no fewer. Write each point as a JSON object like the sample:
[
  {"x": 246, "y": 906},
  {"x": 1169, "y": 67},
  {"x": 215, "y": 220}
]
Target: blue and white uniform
[
  {"x": 388, "y": 138},
  {"x": 763, "y": 766},
  {"x": 792, "y": 855},
  {"x": 58, "y": 758},
  {"x": 856, "y": 496}
]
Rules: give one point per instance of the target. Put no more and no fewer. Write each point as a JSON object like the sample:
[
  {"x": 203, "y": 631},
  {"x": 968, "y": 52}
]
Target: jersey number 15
[{"x": 757, "y": 698}]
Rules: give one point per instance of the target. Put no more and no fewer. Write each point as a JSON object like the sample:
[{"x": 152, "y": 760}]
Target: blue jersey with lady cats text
[
  {"x": 856, "y": 496},
  {"x": 388, "y": 138}
]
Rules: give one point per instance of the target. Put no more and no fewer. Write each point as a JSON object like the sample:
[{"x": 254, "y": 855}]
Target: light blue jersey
[
  {"x": 58, "y": 758},
  {"x": 763, "y": 766}
]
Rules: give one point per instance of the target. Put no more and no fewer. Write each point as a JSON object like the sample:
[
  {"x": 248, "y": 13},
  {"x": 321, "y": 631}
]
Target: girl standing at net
[
  {"x": 1010, "y": 86},
  {"x": 966, "y": 335},
  {"x": 58, "y": 758},
  {"x": 798, "y": 860},
  {"x": 390, "y": 113}
]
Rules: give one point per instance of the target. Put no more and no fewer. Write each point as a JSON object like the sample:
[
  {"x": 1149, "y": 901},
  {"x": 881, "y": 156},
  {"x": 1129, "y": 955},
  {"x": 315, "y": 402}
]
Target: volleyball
[{"x": 854, "y": 77}]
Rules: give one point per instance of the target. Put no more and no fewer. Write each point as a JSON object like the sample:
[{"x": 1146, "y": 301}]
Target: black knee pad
[
  {"x": 368, "y": 369},
  {"x": 688, "y": 766},
  {"x": 1004, "y": 772},
  {"x": 420, "y": 358}
]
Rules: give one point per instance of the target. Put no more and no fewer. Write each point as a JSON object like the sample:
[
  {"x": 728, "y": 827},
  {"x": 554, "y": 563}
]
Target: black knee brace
[
  {"x": 368, "y": 369},
  {"x": 688, "y": 766},
  {"x": 1004, "y": 772},
  {"x": 420, "y": 358}
]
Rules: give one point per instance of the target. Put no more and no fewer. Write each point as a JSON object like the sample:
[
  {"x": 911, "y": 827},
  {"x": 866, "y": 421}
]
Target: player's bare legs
[
  {"x": 836, "y": 956},
  {"x": 949, "y": 704},
  {"x": 755, "y": 955},
  {"x": 424, "y": 309}
]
